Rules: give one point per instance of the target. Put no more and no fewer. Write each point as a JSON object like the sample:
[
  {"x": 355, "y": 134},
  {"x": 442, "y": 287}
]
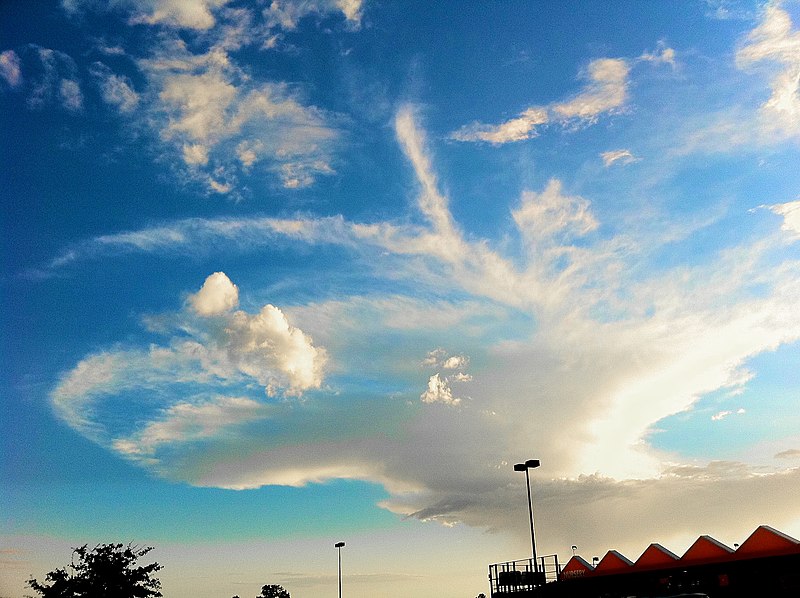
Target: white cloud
[
  {"x": 206, "y": 101},
  {"x": 516, "y": 129},
  {"x": 230, "y": 349},
  {"x": 556, "y": 381},
  {"x": 664, "y": 55},
  {"x": 266, "y": 342},
  {"x": 218, "y": 295},
  {"x": 195, "y": 154},
  {"x": 70, "y": 94},
  {"x": 455, "y": 362},
  {"x": 196, "y": 96},
  {"x": 441, "y": 358},
  {"x": 10, "y": 69},
  {"x": 51, "y": 76},
  {"x": 723, "y": 414},
  {"x": 606, "y": 90},
  {"x": 551, "y": 216},
  {"x": 775, "y": 41},
  {"x": 116, "y": 90},
  {"x": 191, "y": 14},
  {"x": 287, "y": 14},
  {"x": 791, "y": 216},
  {"x": 189, "y": 422},
  {"x": 439, "y": 391},
  {"x": 621, "y": 156},
  {"x": 187, "y": 14}
]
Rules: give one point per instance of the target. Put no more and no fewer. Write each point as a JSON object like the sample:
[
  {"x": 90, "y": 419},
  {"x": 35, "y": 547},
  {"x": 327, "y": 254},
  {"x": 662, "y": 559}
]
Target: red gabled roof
[
  {"x": 655, "y": 556},
  {"x": 575, "y": 567},
  {"x": 767, "y": 541},
  {"x": 706, "y": 548},
  {"x": 613, "y": 562}
]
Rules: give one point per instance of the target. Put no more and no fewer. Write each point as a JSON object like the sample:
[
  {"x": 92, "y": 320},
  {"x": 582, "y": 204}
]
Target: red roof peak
[
  {"x": 767, "y": 540},
  {"x": 656, "y": 555},
  {"x": 706, "y": 548},
  {"x": 613, "y": 562},
  {"x": 575, "y": 567}
]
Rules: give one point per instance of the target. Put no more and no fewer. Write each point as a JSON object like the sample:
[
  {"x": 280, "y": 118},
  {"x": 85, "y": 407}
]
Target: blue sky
[{"x": 279, "y": 274}]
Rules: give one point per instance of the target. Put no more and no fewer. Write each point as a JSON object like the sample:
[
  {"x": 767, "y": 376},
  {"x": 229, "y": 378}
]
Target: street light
[
  {"x": 530, "y": 464},
  {"x": 338, "y": 546}
]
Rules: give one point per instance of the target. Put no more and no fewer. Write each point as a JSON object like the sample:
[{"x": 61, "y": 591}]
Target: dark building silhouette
[{"x": 766, "y": 565}]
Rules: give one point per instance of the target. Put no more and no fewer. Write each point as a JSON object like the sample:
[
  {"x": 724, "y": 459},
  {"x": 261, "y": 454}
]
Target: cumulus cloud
[
  {"x": 221, "y": 349},
  {"x": 441, "y": 358},
  {"x": 217, "y": 296},
  {"x": 775, "y": 41},
  {"x": 439, "y": 391}
]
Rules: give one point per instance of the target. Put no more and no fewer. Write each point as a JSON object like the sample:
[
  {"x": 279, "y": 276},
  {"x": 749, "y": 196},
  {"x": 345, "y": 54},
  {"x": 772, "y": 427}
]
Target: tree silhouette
[
  {"x": 105, "y": 571},
  {"x": 273, "y": 591}
]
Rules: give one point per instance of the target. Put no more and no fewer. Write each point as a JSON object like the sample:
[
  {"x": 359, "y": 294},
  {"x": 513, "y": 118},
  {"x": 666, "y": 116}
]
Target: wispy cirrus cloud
[
  {"x": 605, "y": 92},
  {"x": 621, "y": 156},
  {"x": 772, "y": 48},
  {"x": 776, "y": 41}
]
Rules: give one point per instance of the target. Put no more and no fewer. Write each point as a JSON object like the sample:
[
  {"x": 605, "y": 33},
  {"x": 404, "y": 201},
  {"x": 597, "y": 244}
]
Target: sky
[{"x": 278, "y": 274}]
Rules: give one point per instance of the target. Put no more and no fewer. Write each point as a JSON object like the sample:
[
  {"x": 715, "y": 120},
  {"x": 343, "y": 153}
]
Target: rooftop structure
[{"x": 766, "y": 563}]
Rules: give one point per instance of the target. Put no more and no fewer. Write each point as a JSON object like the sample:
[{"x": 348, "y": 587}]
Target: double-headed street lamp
[
  {"x": 530, "y": 464},
  {"x": 338, "y": 546}
]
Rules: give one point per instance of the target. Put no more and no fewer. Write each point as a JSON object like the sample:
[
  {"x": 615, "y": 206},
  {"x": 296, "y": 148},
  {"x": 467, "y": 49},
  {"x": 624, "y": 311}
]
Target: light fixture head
[
  {"x": 520, "y": 467},
  {"x": 338, "y": 545},
  {"x": 531, "y": 463}
]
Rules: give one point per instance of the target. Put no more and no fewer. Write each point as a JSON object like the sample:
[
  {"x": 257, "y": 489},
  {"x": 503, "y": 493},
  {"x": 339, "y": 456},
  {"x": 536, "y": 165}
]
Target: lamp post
[
  {"x": 338, "y": 546},
  {"x": 530, "y": 464}
]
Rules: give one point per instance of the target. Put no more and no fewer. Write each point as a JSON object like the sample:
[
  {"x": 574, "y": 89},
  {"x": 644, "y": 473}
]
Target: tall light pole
[
  {"x": 530, "y": 464},
  {"x": 338, "y": 546}
]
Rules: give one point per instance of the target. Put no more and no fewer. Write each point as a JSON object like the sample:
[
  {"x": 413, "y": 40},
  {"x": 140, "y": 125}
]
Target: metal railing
[{"x": 521, "y": 576}]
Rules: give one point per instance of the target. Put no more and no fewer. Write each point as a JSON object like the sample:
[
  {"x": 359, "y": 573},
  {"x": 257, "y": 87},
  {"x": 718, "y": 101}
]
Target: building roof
[
  {"x": 613, "y": 562},
  {"x": 655, "y": 556},
  {"x": 576, "y": 567},
  {"x": 767, "y": 540},
  {"x": 706, "y": 549}
]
